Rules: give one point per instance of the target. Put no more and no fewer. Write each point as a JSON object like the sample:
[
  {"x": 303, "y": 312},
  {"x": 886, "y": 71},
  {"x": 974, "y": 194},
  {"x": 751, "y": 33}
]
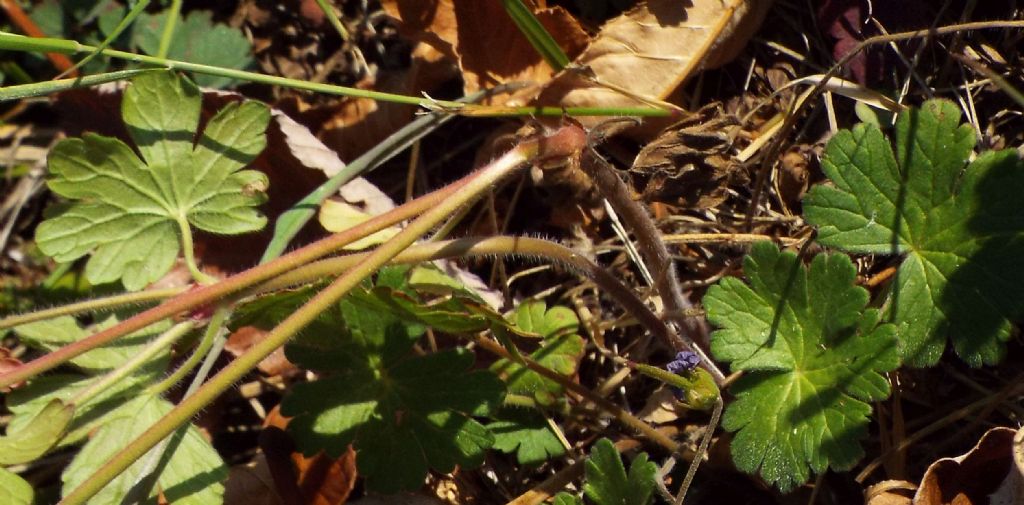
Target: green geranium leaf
[
  {"x": 190, "y": 473},
  {"x": 14, "y": 490},
  {"x": 52, "y": 334},
  {"x": 403, "y": 412},
  {"x": 813, "y": 355},
  {"x": 959, "y": 227},
  {"x": 34, "y": 439},
  {"x": 197, "y": 39},
  {"x": 131, "y": 213},
  {"x": 564, "y": 498},
  {"x": 27, "y": 402},
  {"x": 608, "y": 483},
  {"x": 527, "y": 435},
  {"x": 560, "y": 350},
  {"x": 33, "y": 405}
]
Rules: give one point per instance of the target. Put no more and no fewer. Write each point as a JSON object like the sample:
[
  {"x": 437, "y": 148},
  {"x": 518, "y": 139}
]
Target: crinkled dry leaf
[
  {"x": 889, "y": 492},
  {"x": 690, "y": 162},
  {"x": 986, "y": 474},
  {"x": 484, "y": 40},
  {"x": 316, "y": 480},
  {"x": 650, "y": 50}
]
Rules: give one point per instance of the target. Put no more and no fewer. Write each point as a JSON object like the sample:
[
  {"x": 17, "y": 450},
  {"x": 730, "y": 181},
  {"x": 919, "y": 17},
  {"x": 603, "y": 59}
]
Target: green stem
[
  {"x": 50, "y": 87},
  {"x": 139, "y": 8},
  {"x": 172, "y": 20},
  {"x": 333, "y": 18},
  {"x": 488, "y": 247},
  {"x": 96, "y": 304},
  {"x": 291, "y": 222},
  {"x": 620, "y": 414},
  {"x": 211, "y": 347},
  {"x": 560, "y": 144},
  {"x": 14, "y": 42},
  {"x": 190, "y": 256},
  {"x": 155, "y": 347},
  {"x": 212, "y": 330},
  {"x": 702, "y": 449},
  {"x": 208, "y": 294},
  {"x": 54, "y": 277}
]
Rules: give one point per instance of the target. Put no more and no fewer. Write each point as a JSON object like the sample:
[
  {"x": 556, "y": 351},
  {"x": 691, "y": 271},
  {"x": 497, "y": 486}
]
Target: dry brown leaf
[
  {"x": 690, "y": 162},
  {"x": 251, "y": 484},
  {"x": 652, "y": 49},
  {"x": 247, "y": 336},
  {"x": 990, "y": 473},
  {"x": 317, "y": 480},
  {"x": 357, "y": 124},
  {"x": 889, "y": 492},
  {"x": 483, "y": 39}
]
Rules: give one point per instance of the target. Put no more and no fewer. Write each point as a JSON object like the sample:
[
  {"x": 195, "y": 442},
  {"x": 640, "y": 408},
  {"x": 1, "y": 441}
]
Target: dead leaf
[
  {"x": 794, "y": 175},
  {"x": 318, "y": 480},
  {"x": 355, "y": 125},
  {"x": 483, "y": 39},
  {"x": 251, "y": 484},
  {"x": 848, "y": 22},
  {"x": 651, "y": 50},
  {"x": 990, "y": 473},
  {"x": 660, "y": 407},
  {"x": 247, "y": 336},
  {"x": 691, "y": 161},
  {"x": 889, "y": 492}
]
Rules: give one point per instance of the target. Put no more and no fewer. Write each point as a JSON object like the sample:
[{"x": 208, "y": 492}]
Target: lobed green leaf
[
  {"x": 130, "y": 213},
  {"x": 607, "y": 481},
  {"x": 404, "y": 413},
  {"x": 527, "y": 435},
  {"x": 190, "y": 471},
  {"x": 814, "y": 357},
  {"x": 959, "y": 227}
]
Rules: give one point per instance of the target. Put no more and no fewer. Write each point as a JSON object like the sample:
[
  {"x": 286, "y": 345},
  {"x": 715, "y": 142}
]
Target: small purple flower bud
[{"x": 684, "y": 362}]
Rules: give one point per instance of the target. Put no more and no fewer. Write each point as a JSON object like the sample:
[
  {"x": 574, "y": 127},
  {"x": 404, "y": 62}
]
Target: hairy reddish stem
[{"x": 208, "y": 294}]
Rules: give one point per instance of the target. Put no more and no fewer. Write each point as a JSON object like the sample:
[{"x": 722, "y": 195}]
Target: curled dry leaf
[
  {"x": 889, "y": 492},
  {"x": 251, "y": 484},
  {"x": 990, "y": 473},
  {"x": 652, "y": 49},
  {"x": 691, "y": 161},
  {"x": 484, "y": 40}
]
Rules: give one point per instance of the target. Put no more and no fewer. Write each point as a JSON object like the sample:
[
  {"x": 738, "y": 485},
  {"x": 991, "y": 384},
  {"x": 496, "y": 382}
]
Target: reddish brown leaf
[
  {"x": 649, "y": 51},
  {"x": 247, "y": 336},
  {"x": 987, "y": 472},
  {"x": 484, "y": 40},
  {"x": 318, "y": 480}
]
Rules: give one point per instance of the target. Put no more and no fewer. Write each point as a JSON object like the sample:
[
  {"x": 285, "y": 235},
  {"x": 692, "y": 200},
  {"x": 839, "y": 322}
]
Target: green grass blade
[
  {"x": 172, "y": 21},
  {"x": 535, "y": 32},
  {"x": 12, "y": 42},
  {"x": 288, "y": 225},
  {"x": 139, "y": 8},
  {"x": 333, "y": 18},
  {"x": 49, "y": 87}
]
